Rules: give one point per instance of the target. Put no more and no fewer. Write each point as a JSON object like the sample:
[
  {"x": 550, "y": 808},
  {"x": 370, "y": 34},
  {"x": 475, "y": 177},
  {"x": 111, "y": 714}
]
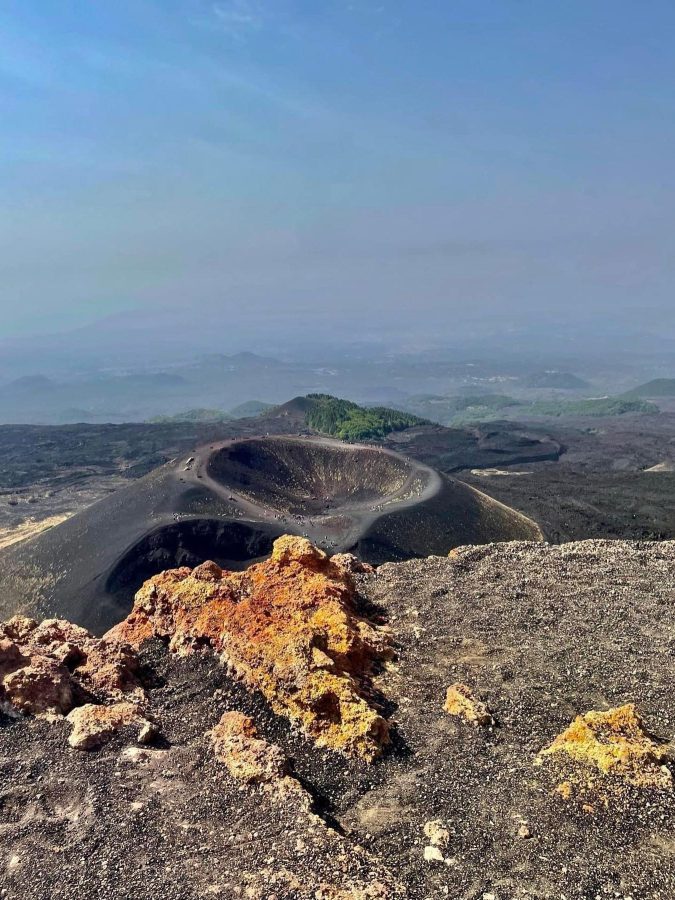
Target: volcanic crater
[
  {"x": 307, "y": 477},
  {"x": 228, "y": 502}
]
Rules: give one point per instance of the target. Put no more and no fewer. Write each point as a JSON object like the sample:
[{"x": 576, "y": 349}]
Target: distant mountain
[
  {"x": 659, "y": 387},
  {"x": 561, "y": 380},
  {"x": 102, "y": 397},
  {"x": 28, "y": 384}
]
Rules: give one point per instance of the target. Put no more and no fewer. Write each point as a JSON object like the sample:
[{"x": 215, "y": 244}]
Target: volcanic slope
[
  {"x": 528, "y": 710},
  {"x": 227, "y": 502}
]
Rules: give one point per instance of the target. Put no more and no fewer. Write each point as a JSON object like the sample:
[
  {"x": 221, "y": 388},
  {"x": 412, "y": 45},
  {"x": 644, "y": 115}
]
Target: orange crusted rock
[
  {"x": 95, "y": 725},
  {"x": 248, "y": 758},
  {"x": 110, "y": 671},
  {"x": 459, "y": 701},
  {"x": 605, "y": 749},
  {"x": 287, "y": 627}
]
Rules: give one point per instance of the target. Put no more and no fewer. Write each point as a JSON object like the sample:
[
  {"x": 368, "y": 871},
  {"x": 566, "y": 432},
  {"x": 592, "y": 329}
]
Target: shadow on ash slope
[{"x": 227, "y": 502}]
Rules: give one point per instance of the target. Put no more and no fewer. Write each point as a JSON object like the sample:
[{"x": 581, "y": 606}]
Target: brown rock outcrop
[
  {"x": 37, "y": 686},
  {"x": 102, "y": 669},
  {"x": 248, "y": 758},
  {"x": 53, "y": 667},
  {"x": 94, "y": 725},
  {"x": 287, "y": 627}
]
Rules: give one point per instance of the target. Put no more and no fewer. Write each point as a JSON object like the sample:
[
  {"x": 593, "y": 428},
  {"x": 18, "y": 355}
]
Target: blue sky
[{"x": 410, "y": 165}]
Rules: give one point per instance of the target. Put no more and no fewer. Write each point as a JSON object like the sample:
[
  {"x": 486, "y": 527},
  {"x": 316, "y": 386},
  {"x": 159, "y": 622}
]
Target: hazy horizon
[{"x": 298, "y": 172}]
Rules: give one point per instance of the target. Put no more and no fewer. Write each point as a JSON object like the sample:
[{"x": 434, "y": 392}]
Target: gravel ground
[{"x": 540, "y": 633}]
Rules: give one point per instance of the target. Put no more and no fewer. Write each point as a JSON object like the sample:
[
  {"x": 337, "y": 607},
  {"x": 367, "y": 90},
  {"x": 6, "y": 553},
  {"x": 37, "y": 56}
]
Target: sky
[{"x": 268, "y": 167}]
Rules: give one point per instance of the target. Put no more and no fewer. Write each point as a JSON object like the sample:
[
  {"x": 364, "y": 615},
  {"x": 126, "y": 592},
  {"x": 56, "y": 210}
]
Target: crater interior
[{"x": 311, "y": 478}]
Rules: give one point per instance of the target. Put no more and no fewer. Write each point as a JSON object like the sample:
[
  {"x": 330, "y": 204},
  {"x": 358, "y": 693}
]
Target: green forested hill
[{"x": 351, "y": 422}]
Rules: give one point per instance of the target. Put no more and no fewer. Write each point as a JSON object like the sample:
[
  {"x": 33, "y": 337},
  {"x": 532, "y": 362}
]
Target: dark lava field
[{"x": 133, "y": 506}]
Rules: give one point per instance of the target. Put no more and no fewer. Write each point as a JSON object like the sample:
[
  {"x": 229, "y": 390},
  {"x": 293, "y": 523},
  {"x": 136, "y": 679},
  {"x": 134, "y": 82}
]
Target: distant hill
[
  {"x": 29, "y": 384},
  {"x": 457, "y": 410},
  {"x": 460, "y": 411},
  {"x": 659, "y": 387},
  {"x": 250, "y": 408},
  {"x": 194, "y": 415},
  {"x": 243, "y": 360},
  {"x": 343, "y": 419},
  {"x": 560, "y": 380},
  {"x": 601, "y": 406}
]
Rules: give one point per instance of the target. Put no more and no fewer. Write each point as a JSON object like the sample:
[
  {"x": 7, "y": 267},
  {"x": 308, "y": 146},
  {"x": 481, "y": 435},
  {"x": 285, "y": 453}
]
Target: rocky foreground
[{"x": 490, "y": 726}]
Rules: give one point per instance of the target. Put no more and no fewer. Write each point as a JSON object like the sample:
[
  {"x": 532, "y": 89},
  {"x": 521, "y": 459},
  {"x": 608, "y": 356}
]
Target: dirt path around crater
[{"x": 342, "y": 526}]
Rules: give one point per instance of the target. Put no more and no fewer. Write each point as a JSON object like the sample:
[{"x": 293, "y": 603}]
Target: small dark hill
[
  {"x": 659, "y": 387},
  {"x": 479, "y": 446}
]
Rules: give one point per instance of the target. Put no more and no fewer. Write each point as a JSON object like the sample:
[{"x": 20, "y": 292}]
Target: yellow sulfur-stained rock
[
  {"x": 459, "y": 701},
  {"x": 601, "y": 751},
  {"x": 287, "y": 627}
]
